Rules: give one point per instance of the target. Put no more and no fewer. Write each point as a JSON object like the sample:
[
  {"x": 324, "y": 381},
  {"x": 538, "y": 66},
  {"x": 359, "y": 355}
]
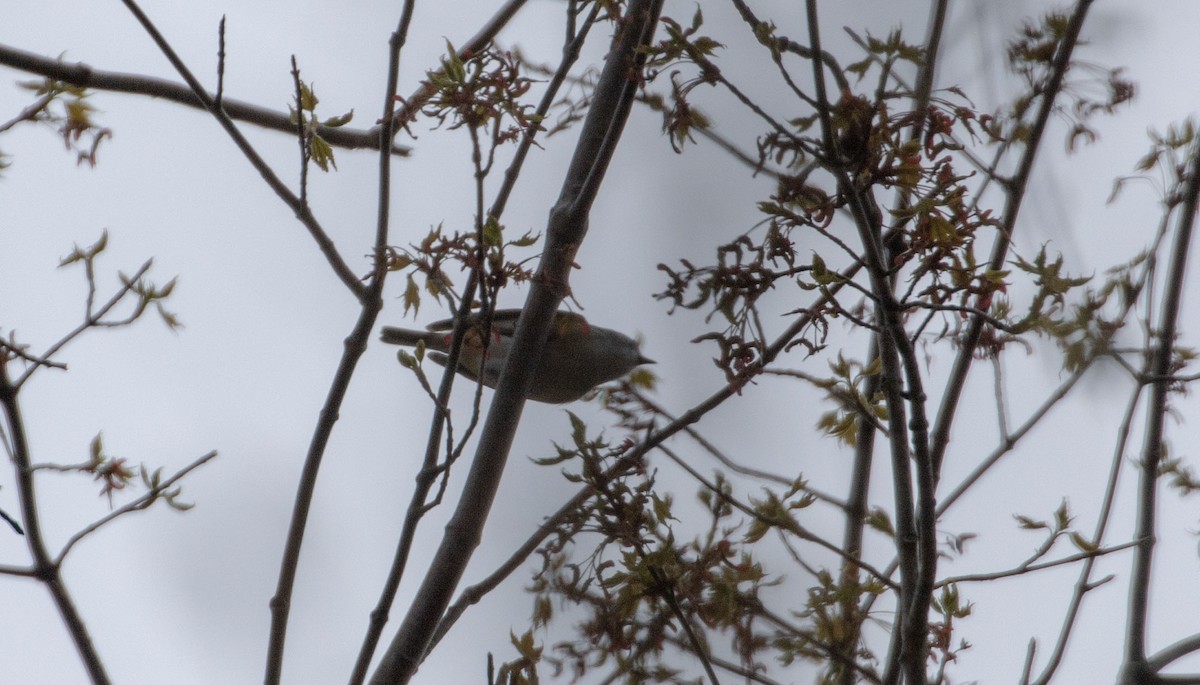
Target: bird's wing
[{"x": 504, "y": 322}]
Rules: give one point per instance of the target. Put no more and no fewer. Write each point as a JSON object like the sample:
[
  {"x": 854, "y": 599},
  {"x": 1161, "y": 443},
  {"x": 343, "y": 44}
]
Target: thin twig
[
  {"x": 413, "y": 103},
  {"x": 219, "y": 98},
  {"x": 728, "y": 462},
  {"x": 30, "y": 113},
  {"x": 139, "y": 504},
  {"x": 19, "y": 351},
  {"x": 787, "y": 525},
  {"x": 1032, "y": 568},
  {"x": 91, "y": 317}
]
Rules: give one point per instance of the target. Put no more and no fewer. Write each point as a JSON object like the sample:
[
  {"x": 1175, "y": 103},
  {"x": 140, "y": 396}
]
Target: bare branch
[
  {"x": 324, "y": 242},
  {"x": 1173, "y": 652},
  {"x": 44, "y": 567},
  {"x": 1159, "y": 367},
  {"x": 91, "y": 318},
  {"x": 371, "y": 300},
  {"x": 1022, "y": 569},
  {"x": 84, "y": 76}
]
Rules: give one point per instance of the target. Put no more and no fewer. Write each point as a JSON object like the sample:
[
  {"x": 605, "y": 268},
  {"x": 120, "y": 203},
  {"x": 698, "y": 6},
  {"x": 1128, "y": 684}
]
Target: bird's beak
[{"x": 645, "y": 360}]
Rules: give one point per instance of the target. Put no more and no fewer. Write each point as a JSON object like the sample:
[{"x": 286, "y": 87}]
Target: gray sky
[{"x": 183, "y": 598}]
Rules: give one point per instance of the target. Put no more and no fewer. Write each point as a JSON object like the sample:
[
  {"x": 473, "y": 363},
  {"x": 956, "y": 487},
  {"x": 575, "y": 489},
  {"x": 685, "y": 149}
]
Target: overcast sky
[{"x": 183, "y": 598}]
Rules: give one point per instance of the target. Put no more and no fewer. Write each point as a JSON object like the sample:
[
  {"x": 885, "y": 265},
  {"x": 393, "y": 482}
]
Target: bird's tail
[{"x": 405, "y": 336}]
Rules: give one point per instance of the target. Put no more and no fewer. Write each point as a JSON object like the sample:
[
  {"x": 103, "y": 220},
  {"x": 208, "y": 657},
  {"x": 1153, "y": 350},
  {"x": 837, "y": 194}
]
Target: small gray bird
[{"x": 577, "y": 356}]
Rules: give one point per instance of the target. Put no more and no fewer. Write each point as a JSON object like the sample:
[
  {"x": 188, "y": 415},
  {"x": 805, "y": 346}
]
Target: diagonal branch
[
  {"x": 140, "y": 504},
  {"x": 301, "y": 210},
  {"x": 430, "y": 470},
  {"x": 567, "y": 227}
]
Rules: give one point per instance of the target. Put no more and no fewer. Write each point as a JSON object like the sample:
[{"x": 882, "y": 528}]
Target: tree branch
[
  {"x": 940, "y": 436},
  {"x": 1174, "y": 652},
  {"x": 301, "y": 210},
  {"x": 44, "y": 568},
  {"x": 429, "y": 470},
  {"x": 1159, "y": 368},
  {"x": 139, "y": 504},
  {"x": 84, "y": 76},
  {"x": 356, "y": 344},
  {"x": 566, "y": 229}
]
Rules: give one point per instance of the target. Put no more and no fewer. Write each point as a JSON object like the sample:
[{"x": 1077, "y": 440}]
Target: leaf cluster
[
  {"x": 1033, "y": 56},
  {"x": 115, "y": 474},
  {"x": 65, "y": 108},
  {"x": 303, "y": 113},
  {"x": 640, "y": 589},
  {"x": 432, "y": 260},
  {"x": 484, "y": 90},
  {"x": 146, "y": 293}
]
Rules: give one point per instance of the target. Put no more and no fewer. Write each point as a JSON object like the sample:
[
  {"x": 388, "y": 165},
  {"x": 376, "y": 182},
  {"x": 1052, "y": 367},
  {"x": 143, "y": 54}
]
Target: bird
[{"x": 576, "y": 358}]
